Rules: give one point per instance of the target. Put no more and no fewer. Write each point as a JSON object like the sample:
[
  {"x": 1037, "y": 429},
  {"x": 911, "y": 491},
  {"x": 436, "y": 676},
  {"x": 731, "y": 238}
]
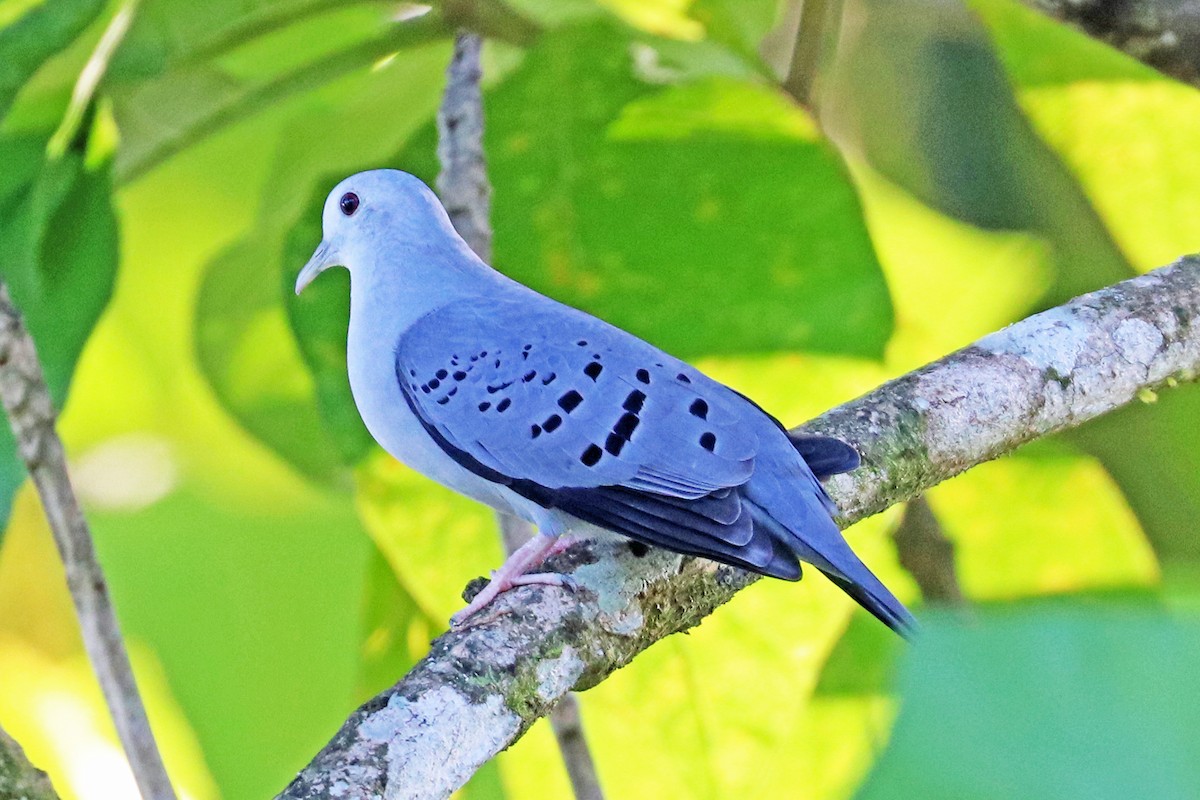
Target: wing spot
[
  {"x": 425, "y": 388},
  {"x": 441, "y": 374},
  {"x": 434, "y": 383},
  {"x": 535, "y": 431},
  {"x": 634, "y": 401},
  {"x": 582, "y": 343},
  {"x": 527, "y": 348},
  {"x": 552, "y": 422},
  {"x": 529, "y": 376},
  {"x": 549, "y": 379},
  {"x": 683, "y": 378},
  {"x": 708, "y": 440},
  {"x": 591, "y": 456},
  {"x": 497, "y": 387},
  {"x": 570, "y": 401},
  {"x": 643, "y": 376},
  {"x": 593, "y": 370},
  {"x": 459, "y": 375},
  {"x": 613, "y": 444},
  {"x": 503, "y": 405},
  {"x": 699, "y": 408},
  {"x": 485, "y": 405},
  {"x": 412, "y": 373},
  {"x": 443, "y": 400},
  {"x": 497, "y": 364},
  {"x": 626, "y": 425}
]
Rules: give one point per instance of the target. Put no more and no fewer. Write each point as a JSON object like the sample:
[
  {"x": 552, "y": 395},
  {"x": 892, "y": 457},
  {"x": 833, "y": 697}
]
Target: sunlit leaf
[
  {"x": 920, "y": 95},
  {"x": 50, "y": 700},
  {"x": 1047, "y": 704},
  {"x": 617, "y": 224},
  {"x": 1076, "y": 532},
  {"x": 1038, "y": 50}
]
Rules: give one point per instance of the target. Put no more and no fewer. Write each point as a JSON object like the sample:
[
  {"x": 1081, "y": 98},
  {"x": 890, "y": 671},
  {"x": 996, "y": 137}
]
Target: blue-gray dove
[{"x": 544, "y": 412}]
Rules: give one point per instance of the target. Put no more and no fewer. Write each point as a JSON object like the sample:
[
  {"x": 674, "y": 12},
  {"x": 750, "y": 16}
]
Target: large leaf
[
  {"x": 32, "y": 39},
  {"x": 920, "y": 94},
  {"x": 1047, "y": 704},
  {"x": 741, "y": 231},
  {"x": 60, "y": 258},
  {"x": 253, "y": 336}
]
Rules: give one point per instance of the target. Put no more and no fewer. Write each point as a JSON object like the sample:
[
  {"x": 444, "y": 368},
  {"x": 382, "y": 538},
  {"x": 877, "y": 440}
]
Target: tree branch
[
  {"x": 19, "y": 778},
  {"x": 479, "y": 689},
  {"x": 31, "y": 414},
  {"x": 1163, "y": 34}
]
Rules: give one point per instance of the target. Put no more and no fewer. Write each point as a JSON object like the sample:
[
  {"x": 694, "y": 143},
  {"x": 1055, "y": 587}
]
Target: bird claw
[{"x": 500, "y": 585}]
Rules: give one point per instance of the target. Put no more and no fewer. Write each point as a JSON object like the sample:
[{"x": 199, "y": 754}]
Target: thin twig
[
  {"x": 31, "y": 414},
  {"x": 467, "y": 193},
  {"x": 816, "y": 34},
  {"x": 482, "y": 687}
]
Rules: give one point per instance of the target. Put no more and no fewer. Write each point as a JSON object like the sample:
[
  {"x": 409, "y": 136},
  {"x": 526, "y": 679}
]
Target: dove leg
[{"x": 512, "y": 573}]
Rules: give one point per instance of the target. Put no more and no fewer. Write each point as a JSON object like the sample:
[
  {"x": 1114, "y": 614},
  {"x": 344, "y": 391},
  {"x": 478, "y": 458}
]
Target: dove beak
[{"x": 321, "y": 260}]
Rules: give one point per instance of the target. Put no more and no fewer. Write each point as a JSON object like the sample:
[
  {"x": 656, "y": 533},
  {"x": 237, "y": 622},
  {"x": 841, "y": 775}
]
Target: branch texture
[
  {"x": 1163, "y": 34},
  {"x": 31, "y": 414},
  {"x": 19, "y": 778},
  {"x": 479, "y": 689}
]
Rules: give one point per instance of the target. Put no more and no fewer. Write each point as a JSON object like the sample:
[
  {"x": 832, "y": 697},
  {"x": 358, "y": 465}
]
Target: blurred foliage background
[{"x": 961, "y": 167}]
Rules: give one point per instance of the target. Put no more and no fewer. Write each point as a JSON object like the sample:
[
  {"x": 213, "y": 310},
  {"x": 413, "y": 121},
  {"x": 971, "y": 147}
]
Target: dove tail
[{"x": 808, "y": 531}]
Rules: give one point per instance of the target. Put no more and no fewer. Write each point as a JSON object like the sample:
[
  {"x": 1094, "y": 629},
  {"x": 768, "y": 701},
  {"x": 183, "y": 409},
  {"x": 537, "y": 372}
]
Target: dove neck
[{"x": 415, "y": 280}]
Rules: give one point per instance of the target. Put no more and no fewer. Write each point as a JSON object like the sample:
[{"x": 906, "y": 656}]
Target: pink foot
[{"x": 512, "y": 573}]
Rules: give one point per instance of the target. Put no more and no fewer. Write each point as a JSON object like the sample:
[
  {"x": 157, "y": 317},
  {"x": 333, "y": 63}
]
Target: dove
[{"x": 549, "y": 414}]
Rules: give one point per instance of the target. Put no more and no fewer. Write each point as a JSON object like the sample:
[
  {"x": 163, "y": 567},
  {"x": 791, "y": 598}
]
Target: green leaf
[
  {"x": 61, "y": 250},
  {"x": 740, "y": 25},
  {"x": 246, "y": 349},
  {"x": 1039, "y": 50},
  {"x": 740, "y": 242},
  {"x": 1055, "y": 704},
  {"x": 41, "y": 33},
  {"x": 278, "y": 362},
  {"x": 921, "y": 95},
  {"x": 177, "y": 87}
]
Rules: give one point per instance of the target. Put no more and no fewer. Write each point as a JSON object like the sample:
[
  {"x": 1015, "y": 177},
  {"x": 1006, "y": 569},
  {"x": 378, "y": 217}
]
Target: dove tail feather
[
  {"x": 887, "y": 610},
  {"x": 814, "y": 538},
  {"x": 825, "y": 455}
]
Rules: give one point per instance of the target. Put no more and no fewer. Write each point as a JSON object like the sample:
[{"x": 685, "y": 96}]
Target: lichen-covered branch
[
  {"x": 479, "y": 689},
  {"x": 19, "y": 778},
  {"x": 31, "y": 414},
  {"x": 1164, "y": 34}
]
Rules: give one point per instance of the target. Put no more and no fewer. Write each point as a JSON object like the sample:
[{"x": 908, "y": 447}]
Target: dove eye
[{"x": 348, "y": 203}]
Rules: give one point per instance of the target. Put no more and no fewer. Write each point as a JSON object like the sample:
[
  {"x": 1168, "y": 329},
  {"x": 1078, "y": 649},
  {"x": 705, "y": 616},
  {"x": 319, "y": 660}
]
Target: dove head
[{"x": 372, "y": 220}]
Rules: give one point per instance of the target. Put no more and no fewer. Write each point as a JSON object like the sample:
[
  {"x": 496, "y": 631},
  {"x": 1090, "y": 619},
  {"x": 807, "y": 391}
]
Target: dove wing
[{"x": 576, "y": 414}]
